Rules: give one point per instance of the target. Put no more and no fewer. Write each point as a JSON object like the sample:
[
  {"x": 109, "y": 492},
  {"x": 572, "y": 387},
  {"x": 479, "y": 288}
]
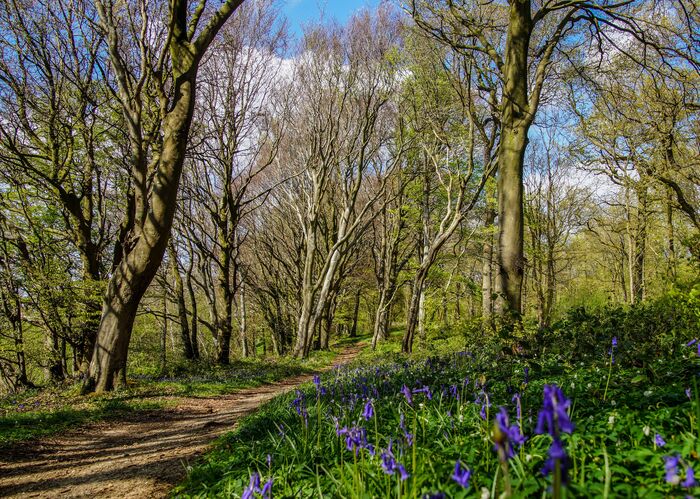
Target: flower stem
[{"x": 609, "y": 374}]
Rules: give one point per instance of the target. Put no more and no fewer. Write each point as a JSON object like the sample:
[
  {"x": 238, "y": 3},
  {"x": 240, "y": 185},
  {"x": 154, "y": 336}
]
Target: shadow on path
[{"x": 142, "y": 455}]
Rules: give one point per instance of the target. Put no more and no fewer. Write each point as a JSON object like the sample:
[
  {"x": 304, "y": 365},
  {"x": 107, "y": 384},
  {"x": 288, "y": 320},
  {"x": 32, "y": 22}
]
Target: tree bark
[
  {"x": 181, "y": 305},
  {"x": 355, "y": 314},
  {"x": 516, "y": 118},
  {"x": 487, "y": 288}
]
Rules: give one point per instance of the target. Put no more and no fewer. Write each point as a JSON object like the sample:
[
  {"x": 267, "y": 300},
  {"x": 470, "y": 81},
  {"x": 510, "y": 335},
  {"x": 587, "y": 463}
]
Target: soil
[{"x": 142, "y": 455}]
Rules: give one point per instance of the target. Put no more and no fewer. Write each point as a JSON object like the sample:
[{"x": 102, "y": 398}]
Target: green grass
[
  {"x": 612, "y": 447},
  {"x": 42, "y": 412}
]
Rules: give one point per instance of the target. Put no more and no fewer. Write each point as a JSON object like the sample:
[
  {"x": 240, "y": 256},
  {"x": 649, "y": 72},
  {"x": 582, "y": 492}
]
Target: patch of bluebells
[
  {"x": 350, "y": 397},
  {"x": 671, "y": 465}
]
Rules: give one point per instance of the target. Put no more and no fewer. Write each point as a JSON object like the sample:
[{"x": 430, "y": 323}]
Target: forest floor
[{"x": 143, "y": 454}]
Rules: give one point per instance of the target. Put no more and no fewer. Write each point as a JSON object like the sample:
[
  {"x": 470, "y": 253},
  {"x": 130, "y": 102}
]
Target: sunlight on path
[{"x": 142, "y": 456}]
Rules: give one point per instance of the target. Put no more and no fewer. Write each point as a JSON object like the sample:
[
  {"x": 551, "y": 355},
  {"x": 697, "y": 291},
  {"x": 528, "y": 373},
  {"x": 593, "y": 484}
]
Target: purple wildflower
[
  {"x": 671, "y": 467},
  {"x": 424, "y": 390},
  {"x": 461, "y": 475},
  {"x": 659, "y": 441},
  {"x": 614, "y": 342},
  {"x": 355, "y": 438},
  {"x": 689, "y": 478},
  {"x": 266, "y": 491},
  {"x": 556, "y": 453},
  {"x": 688, "y": 393},
  {"x": 505, "y": 435},
  {"x": 408, "y": 436},
  {"x": 407, "y": 393},
  {"x": 518, "y": 406},
  {"x": 403, "y": 474},
  {"x": 252, "y": 488},
  {"x": 390, "y": 465},
  {"x": 526, "y": 371},
  {"x": 368, "y": 411},
  {"x": 691, "y": 342},
  {"x": 553, "y": 417}
]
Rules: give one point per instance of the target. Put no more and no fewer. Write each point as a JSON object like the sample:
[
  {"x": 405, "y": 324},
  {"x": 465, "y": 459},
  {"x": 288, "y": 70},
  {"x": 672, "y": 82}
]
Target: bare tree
[
  {"x": 343, "y": 148},
  {"x": 235, "y": 141}
]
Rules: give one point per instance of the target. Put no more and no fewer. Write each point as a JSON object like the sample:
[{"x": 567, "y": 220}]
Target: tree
[
  {"x": 55, "y": 114},
  {"x": 155, "y": 86},
  {"x": 520, "y": 45},
  {"x": 235, "y": 141},
  {"x": 443, "y": 115},
  {"x": 344, "y": 148}
]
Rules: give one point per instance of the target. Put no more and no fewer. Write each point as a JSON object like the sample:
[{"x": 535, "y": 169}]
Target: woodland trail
[{"x": 142, "y": 456}]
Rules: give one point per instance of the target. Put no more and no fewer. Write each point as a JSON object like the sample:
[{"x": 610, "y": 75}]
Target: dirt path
[{"x": 142, "y": 456}]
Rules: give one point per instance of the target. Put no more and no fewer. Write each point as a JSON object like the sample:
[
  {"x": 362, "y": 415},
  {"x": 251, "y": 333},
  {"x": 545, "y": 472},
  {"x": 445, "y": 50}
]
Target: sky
[{"x": 299, "y": 12}]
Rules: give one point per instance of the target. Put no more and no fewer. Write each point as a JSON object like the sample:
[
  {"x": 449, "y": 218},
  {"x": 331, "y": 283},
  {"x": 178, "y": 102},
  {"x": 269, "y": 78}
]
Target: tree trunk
[
  {"x": 670, "y": 237},
  {"x": 164, "y": 335},
  {"x": 181, "y": 305},
  {"x": 516, "y": 119},
  {"x": 139, "y": 254},
  {"x": 511, "y": 218},
  {"x": 355, "y": 314},
  {"x": 487, "y": 288},
  {"x": 640, "y": 238},
  {"x": 413, "y": 311},
  {"x": 243, "y": 324},
  {"x": 139, "y": 263},
  {"x": 194, "y": 341},
  {"x": 381, "y": 322}
]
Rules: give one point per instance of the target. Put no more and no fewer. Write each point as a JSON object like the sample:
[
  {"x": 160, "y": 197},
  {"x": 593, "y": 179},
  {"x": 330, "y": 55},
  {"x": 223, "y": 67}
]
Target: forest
[{"x": 454, "y": 245}]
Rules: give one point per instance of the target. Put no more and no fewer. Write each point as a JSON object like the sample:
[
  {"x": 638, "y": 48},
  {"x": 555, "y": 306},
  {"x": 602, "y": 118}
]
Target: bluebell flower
[
  {"x": 691, "y": 342},
  {"x": 688, "y": 393},
  {"x": 505, "y": 435},
  {"x": 553, "y": 416},
  {"x": 659, "y": 441},
  {"x": 556, "y": 453},
  {"x": 461, "y": 475},
  {"x": 689, "y": 478},
  {"x": 614, "y": 342},
  {"x": 298, "y": 403},
  {"x": 368, "y": 411},
  {"x": 424, "y": 390},
  {"x": 671, "y": 468},
  {"x": 355, "y": 438},
  {"x": 518, "y": 406},
  {"x": 252, "y": 488},
  {"x": 390, "y": 465},
  {"x": 266, "y": 491},
  {"x": 407, "y": 393}
]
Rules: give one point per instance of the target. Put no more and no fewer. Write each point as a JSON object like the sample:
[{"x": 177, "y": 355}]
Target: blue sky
[{"x": 299, "y": 12}]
